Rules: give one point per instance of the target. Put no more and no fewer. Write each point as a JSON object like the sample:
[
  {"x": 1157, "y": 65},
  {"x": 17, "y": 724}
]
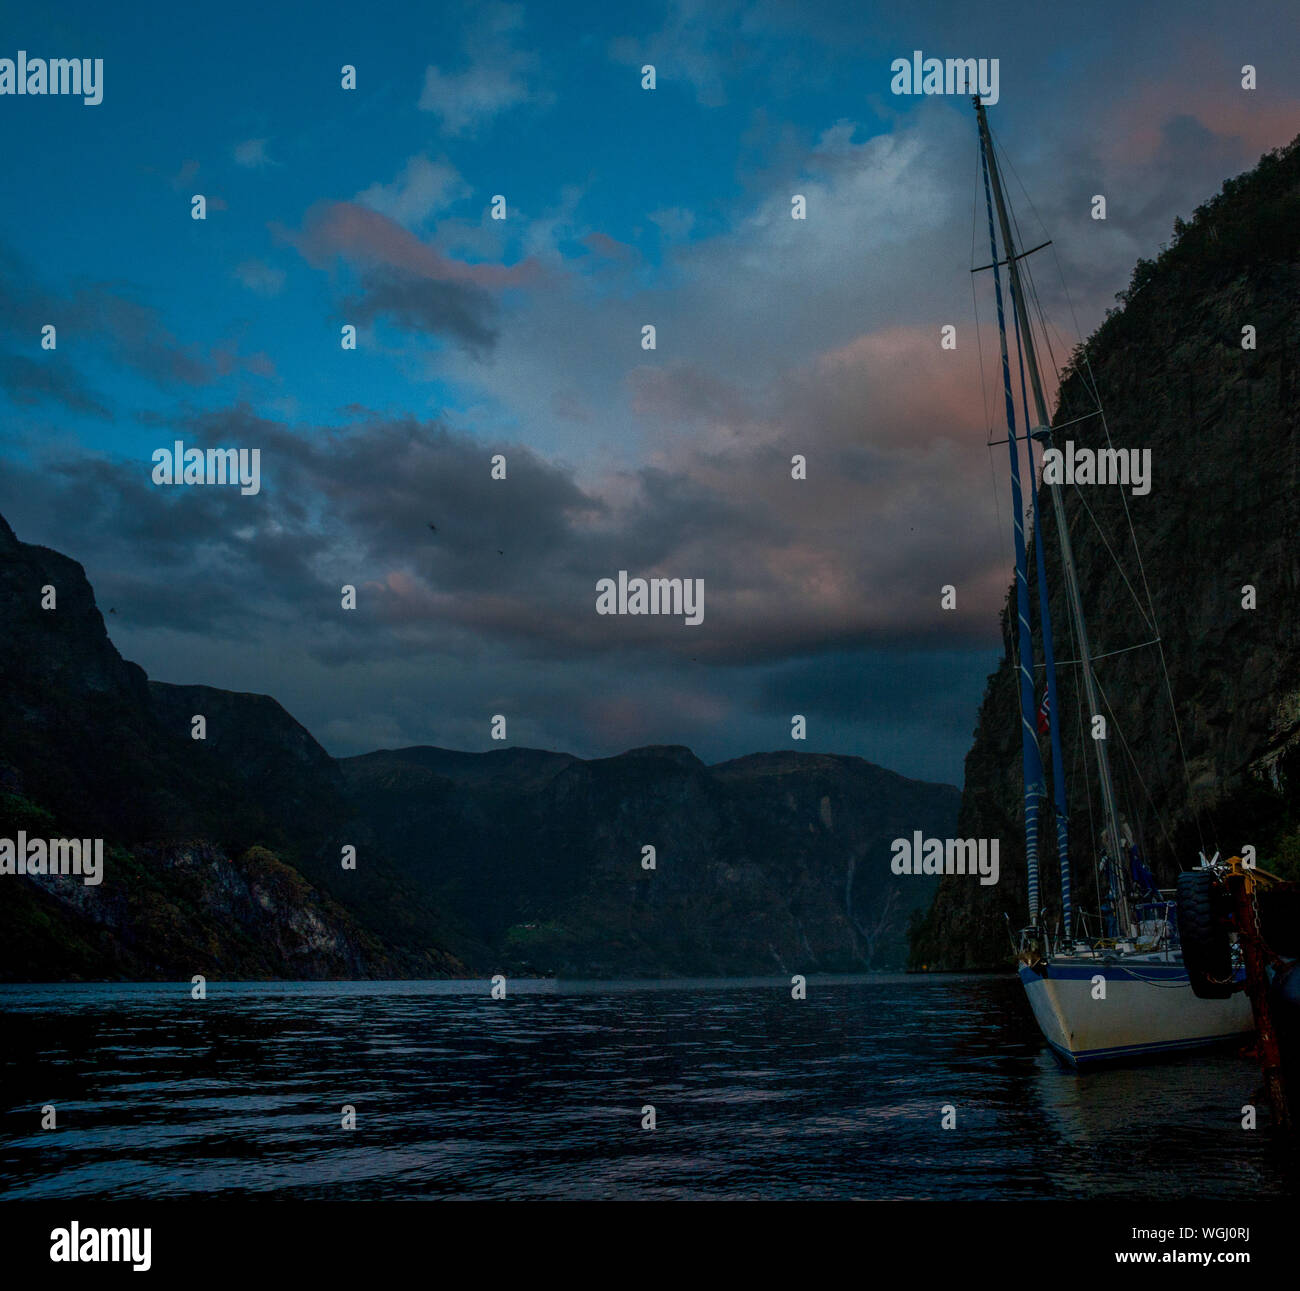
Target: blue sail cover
[
  {"x": 1049, "y": 665},
  {"x": 1143, "y": 879},
  {"x": 1035, "y": 787}
]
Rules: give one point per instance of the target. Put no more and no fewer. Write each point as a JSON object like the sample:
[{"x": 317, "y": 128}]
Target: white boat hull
[{"x": 1149, "y": 1008}]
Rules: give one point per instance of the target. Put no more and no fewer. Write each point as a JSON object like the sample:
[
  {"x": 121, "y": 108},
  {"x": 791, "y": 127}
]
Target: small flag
[{"x": 1044, "y": 715}]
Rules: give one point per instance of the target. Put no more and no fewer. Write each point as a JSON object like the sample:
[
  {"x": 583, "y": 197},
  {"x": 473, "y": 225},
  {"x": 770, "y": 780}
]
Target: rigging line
[
  {"x": 1151, "y": 627},
  {"x": 1128, "y": 769},
  {"x": 1155, "y": 627},
  {"x": 1074, "y": 421},
  {"x": 1085, "y": 371},
  {"x": 1032, "y": 293},
  {"x": 993, "y": 477},
  {"x": 1157, "y": 982},
  {"x": 1089, "y": 381},
  {"x": 979, "y": 339},
  {"x": 1045, "y": 328},
  {"x": 1131, "y": 765},
  {"x": 1030, "y": 202},
  {"x": 1140, "y": 826},
  {"x": 979, "y": 342},
  {"x": 1141, "y": 645},
  {"x": 1065, "y": 291},
  {"x": 1081, "y": 722},
  {"x": 979, "y": 349},
  {"x": 1080, "y": 635},
  {"x": 1128, "y": 752},
  {"x": 1020, "y": 342},
  {"x": 1094, "y": 850}
]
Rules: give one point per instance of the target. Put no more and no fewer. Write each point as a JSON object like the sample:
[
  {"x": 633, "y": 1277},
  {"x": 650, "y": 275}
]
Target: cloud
[
  {"x": 421, "y": 190},
  {"x": 675, "y": 223},
  {"x": 28, "y": 382},
  {"x": 185, "y": 174},
  {"x": 498, "y": 76},
  {"x": 610, "y": 248},
  {"x": 364, "y": 236},
  {"x": 260, "y": 277},
  {"x": 495, "y": 610},
  {"x": 405, "y": 279},
  {"x": 776, "y": 337},
  {"x": 252, "y": 155},
  {"x": 112, "y": 323},
  {"x": 855, "y": 554},
  {"x": 461, "y": 311},
  {"x": 700, "y": 43},
  {"x": 467, "y": 100}
]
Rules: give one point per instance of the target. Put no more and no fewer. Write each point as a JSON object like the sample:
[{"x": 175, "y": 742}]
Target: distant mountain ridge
[
  {"x": 759, "y": 862},
  {"x": 224, "y": 854}
]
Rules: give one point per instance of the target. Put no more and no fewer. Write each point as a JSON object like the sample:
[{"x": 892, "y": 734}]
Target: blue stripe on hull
[
  {"x": 1086, "y": 972},
  {"x": 1162, "y": 973}
]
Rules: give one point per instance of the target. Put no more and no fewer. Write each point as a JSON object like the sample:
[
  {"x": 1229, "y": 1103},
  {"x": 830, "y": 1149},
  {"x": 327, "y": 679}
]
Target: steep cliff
[
  {"x": 90, "y": 749},
  {"x": 1220, "y": 420}
]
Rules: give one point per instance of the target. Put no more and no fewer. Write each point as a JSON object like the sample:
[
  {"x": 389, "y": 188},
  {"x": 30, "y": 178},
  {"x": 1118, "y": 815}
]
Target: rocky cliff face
[
  {"x": 1221, "y": 423},
  {"x": 172, "y": 911},
  {"x": 90, "y": 749}
]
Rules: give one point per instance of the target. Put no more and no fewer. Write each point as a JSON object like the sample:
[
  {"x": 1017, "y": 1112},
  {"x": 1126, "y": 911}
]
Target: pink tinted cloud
[
  {"x": 1259, "y": 120},
  {"x": 903, "y": 386},
  {"x": 358, "y": 234},
  {"x": 611, "y": 248}
]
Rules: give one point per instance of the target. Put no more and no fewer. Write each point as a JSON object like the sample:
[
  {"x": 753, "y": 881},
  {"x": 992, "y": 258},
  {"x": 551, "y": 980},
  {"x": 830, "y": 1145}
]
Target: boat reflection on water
[{"x": 1130, "y": 1131}]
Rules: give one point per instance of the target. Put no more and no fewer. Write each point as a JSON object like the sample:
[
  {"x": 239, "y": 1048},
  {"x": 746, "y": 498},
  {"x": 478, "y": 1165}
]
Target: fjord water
[{"x": 757, "y": 1095}]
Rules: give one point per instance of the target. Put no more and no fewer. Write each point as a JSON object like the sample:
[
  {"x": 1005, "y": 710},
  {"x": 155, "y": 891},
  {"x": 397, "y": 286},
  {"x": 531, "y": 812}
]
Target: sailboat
[{"x": 1121, "y": 990}]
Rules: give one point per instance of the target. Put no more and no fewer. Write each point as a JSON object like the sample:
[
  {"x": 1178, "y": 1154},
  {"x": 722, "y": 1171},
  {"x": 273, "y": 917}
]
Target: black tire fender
[{"x": 1204, "y": 919}]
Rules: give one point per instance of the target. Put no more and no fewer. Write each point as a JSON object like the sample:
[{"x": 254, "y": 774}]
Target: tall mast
[
  {"x": 1031, "y": 760},
  {"x": 1112, "y": 826}
]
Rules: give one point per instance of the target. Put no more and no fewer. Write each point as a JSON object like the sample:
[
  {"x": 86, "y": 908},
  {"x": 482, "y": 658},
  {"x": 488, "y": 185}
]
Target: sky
[{"x": 624, "y": 207}]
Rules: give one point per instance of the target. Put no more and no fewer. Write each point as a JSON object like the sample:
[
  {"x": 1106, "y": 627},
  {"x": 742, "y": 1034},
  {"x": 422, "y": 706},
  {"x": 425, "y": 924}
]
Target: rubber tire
[{"x": 1203, "y": 914}]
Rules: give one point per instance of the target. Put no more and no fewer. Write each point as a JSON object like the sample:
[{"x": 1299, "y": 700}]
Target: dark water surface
[{"x": 540, "y": 1095}]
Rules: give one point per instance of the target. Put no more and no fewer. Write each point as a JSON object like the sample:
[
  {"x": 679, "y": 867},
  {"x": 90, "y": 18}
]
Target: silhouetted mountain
[{"x": 224, "y": 854}]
